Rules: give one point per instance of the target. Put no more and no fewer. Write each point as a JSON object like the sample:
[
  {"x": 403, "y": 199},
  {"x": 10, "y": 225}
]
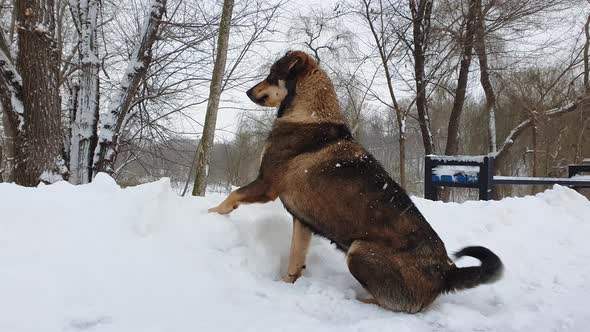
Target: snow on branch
[
  {"x": 10, "y": 81},
  {"x": 519, "y": 129},
  {"x": 121, "y": 100}
]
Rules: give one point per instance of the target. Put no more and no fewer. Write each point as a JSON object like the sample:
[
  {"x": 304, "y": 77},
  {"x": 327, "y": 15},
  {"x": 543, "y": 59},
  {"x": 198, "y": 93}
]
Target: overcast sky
[{"x": 229, "y": 115}]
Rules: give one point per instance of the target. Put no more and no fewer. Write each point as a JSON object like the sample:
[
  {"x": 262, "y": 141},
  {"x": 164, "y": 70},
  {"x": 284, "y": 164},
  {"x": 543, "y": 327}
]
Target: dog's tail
[{"x": 489, "y": 271}]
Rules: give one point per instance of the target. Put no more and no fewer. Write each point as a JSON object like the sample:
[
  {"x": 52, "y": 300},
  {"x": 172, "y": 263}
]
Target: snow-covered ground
[{"x": 101, "y": 258}]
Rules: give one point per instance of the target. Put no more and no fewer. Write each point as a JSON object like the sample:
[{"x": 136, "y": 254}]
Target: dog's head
[{"x": 282, "y": 78}]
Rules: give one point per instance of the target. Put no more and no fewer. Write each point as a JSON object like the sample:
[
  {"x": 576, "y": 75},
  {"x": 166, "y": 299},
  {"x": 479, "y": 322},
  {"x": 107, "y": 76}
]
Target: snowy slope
[{"x": 99, "y": 258}]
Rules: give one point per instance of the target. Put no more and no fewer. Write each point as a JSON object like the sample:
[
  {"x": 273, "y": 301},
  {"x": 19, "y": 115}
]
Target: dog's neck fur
[{"x": 311, "y": 99}]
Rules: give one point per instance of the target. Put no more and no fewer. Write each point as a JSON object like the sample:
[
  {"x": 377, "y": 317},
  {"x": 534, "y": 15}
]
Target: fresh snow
[
  {"x": 478, "y": 159},
  {"x": 50, "y": 177},
  {"x": 453, "y": 170},
  {"x": 100, "y": 258}
]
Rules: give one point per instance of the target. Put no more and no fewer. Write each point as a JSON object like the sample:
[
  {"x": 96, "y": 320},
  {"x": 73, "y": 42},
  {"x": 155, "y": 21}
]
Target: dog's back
[{"x": 343, "y": 192}]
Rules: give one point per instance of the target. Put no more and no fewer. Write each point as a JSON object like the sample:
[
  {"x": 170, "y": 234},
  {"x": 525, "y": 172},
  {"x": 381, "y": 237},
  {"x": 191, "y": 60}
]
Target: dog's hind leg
[
  {"x": 380, "y": 270},
  {"x": 299, "y": 245}
]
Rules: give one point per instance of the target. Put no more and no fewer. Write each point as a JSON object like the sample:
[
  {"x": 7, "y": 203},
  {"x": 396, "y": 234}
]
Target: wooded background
[{"x": 123, "y": 87}]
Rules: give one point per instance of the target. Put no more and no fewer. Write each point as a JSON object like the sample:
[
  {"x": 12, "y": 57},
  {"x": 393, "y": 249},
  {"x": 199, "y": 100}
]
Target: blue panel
[
  {"x": 457, "y": 178},
  {"x": 461, "y": 179}
]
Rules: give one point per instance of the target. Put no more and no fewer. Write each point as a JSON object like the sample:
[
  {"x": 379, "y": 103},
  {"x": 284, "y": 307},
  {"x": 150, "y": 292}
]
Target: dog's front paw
[
  {"x": 221, "y": 209},
  {"x": 291, "y": 278}
]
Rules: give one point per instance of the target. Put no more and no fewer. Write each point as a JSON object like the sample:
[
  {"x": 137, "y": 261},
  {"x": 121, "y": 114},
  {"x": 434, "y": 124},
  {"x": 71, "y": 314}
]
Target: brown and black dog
[{"x": 334, "y": 188}]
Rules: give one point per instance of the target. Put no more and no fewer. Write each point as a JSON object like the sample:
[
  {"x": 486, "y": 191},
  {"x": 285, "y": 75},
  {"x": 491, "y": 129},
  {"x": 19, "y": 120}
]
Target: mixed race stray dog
[{"x": 334, "y": 188}]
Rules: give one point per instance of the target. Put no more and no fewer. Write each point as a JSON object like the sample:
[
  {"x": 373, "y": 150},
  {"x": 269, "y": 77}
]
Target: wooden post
[
  {"x": 430, "y": 191},
  {"x": 574, "y": 170},
  {"x": 486, "y": 179}
]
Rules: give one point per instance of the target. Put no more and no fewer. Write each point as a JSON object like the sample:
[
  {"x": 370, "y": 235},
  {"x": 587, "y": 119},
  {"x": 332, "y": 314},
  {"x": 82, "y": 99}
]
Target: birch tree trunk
[
  {"x": 38, "y": 64},
  {"x": 12, "y": 108},
  {"x": 452, "y": 146},
  {"x": 213, "y": 103},
  {"x": 85, "y": 120},
  {"x": 111, "y": 122}
]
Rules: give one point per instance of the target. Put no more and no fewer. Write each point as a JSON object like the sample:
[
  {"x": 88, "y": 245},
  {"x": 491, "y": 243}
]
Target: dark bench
[{"x": 478, "y": 172}]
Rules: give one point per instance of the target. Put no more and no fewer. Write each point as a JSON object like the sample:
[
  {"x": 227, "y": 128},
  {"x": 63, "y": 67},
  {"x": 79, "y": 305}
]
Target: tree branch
[{"x": 518, "y": 130}]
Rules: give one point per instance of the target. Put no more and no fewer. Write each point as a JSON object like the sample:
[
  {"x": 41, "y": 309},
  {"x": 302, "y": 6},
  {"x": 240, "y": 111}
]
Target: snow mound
[{"x": 100, "y": 258}]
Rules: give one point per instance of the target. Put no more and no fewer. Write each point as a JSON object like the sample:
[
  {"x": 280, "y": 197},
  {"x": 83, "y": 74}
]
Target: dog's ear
[{"x": 298, "y": 62}]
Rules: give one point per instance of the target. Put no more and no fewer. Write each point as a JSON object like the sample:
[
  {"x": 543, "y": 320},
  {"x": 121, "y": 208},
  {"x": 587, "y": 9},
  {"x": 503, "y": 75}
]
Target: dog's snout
[
  {"x": 267, "y": 94},
  {"x": 250, "y": 94}
]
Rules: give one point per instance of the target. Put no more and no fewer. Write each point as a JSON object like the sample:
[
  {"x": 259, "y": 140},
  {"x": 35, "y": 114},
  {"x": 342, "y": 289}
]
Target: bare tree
[
  {"x": 322, "y": 34},
  {"x": 533, "y": 97},
  {"x": 177, "y": 82},
  {"x": 213, "y": 104},
  {"x": 496, "y": 23},
  {"x": 355, "y": 103},
  {"x": 111, "y": 123},
  {"x": 586, "y": 84},
  {"x": 466, "y": 40},
  {"x": 374, "y": 17},
  {"x": 421, "y": 16}
]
